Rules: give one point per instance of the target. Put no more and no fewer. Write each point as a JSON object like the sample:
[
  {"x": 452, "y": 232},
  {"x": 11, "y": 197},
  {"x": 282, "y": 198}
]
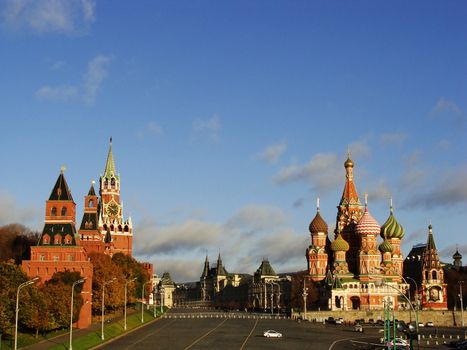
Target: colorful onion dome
[
  {"x": 318, "y": 225},
  {"x": 367, "y": 225},
  {"x": 391, "y": 228},
  {"x": 386, "y": 247},
  {"x": 339, "y": 244}
]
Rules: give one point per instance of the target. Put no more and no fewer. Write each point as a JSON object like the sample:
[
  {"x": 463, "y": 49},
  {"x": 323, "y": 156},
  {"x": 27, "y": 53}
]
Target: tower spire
[{"x": 110, "y": 164}]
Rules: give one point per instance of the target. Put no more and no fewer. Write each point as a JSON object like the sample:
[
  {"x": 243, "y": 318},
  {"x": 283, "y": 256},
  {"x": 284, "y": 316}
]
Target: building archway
[{"x": 355, "y": 303}]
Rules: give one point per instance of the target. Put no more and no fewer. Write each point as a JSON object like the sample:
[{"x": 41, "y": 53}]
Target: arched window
[
  {"x": 119, "y": 228},
  {"x": 126, "y": 228},
  {"x": 106, "y": 182},
  {"x": 63, "y": 211},
  {"x": 433, "y": 275},
  {"x": 53, "y": 212},
  {"x": 112, "y": 182},
  {"x": 91, "y": 203},
  {"x": 111, "y": 228},
  {"x": 105, "y": 227},
  {"x": 426, "y": 275}
]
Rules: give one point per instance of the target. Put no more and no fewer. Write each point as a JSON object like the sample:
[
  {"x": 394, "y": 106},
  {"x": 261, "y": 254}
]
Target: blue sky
[{"x": 229, "y": 118}]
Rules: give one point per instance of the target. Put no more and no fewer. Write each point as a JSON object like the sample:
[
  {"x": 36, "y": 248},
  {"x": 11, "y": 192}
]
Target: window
[
  {"x": 91, "y": 203},
  {"x": 70, "y": 257},
  {"x": 126, "y": 228},
  {"x": 42, "y": 257},
  {"x": 53, "y": 212},
  {"x": 46, "y": 239},
  {"x": 55, "y": 258},
  {"x": 112, "y": 182},
  {"x": 64, "y": 211},
  {"x": 433, "y": 275}
]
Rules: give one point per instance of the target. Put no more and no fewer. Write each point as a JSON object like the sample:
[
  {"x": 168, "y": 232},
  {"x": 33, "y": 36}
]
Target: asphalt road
[{"x": 186, "y": 329}]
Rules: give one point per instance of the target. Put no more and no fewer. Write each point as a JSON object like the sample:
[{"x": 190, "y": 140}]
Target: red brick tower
[
  {"x": 316, "y": 253},
  {"x": 89, "y": 231},
  {"x": 434, "y": 294},
  {"x": 369, "y": 256},
  {"x": 59, "y": 246},
  {"x": 349, "y": 212},
  {"x": 114, "y": 231}
]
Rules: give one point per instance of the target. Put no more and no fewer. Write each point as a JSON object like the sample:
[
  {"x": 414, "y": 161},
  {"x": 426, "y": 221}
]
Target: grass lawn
[
  {"x": 86, "y": 341},
  {"x": 110, "y": 331}
]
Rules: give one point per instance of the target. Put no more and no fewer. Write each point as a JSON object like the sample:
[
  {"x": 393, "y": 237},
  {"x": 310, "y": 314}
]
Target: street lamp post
[
  {"x": 462, "y": 302},
  {"x": 161, "y": 292},
  {"x": 126, "y": 286},
  {"x": 25, "y": 284},
  {"x": 71, "y": 310},
  {"x": 142, "y": 302},
  {"x": 102, "y": 317},
  {"x": 304, "y": 298}
]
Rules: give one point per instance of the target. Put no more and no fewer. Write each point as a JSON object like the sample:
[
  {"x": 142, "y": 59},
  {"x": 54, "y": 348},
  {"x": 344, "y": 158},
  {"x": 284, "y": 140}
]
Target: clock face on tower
[{"x": 112, "y": 209}]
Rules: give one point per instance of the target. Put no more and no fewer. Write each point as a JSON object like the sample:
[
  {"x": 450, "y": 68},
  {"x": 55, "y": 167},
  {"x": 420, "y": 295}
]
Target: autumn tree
[
  {"x": 131, "y": 268},
  {"x": 296, "y": 298},
  {"x": 15, "y": 241},
  {"x": 104, "y": 272}
]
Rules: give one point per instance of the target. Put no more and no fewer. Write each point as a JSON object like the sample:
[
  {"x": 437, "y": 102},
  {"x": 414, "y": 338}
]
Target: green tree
[{"x": 11, "y": 276}]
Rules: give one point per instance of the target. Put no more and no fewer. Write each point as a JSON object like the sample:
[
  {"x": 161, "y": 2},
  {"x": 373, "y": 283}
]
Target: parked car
[
  {"x": 420, "y": 324},
  {"x": 430, "y": 324},
  {"x": 330, "y": 320},
  {"x": 272, "y": 334},
  {"x": 339, "y": 320}
]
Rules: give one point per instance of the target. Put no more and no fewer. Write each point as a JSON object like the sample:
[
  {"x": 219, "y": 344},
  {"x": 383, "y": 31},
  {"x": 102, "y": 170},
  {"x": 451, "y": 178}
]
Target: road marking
[
  {"x": 205, "y": 335},
  {"x": 351, "y": 339},
  {"x": 149, "y": 334},
  {"x": 249, "y": 335}
]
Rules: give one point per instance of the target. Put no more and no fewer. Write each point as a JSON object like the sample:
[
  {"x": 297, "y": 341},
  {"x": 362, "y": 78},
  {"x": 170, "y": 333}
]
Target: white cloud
[
  {"x": 210, "y": 128},
  {"x": 237, "y": 239},
  {"x": 11, "y": 214},
  {"x": 94, "y": 76},
  {"x": 57, "y": 93},
  {"x": 272, "y": 153},
  {"x": 257, "y": 218},
  {"x": 57, "y": 65},
  {"x": 359, "y": 149},
  {"x": 178, "y": 238},
  {"x": 393, "y": 139},
  {"x": 444, "y": 105},
  {"x": 152, "y": 129},
  {"x": 379, "y": 191},
  {"x": 72, "y": 17},
  {"x": 323, "y": 171},
  {"x": 449, "y": 190}
]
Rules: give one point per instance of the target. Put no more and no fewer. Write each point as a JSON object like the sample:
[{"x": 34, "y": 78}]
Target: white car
[
  {"x": 272, "y": 334},
  {"x": 339, "y": 320},
  {"x": 399, "y": 342},
  {"x": 430, "y": 324}
]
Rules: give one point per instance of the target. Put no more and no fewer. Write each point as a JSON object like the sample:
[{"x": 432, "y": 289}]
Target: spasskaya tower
[{"x": 116, "y": 232}]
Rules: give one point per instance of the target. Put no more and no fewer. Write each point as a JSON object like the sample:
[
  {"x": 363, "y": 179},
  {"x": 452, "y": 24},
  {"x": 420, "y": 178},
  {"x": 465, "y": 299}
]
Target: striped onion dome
[
  {"x": 367, "y": 225},
  {"x": 386, "y": 247},
  {"x": 318, "y": 224},
  {"x": 391, "y": 228},
  {"x": 339, "y": 244}
]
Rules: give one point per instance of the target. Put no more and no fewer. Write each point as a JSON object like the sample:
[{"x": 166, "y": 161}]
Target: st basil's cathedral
[{"x": 354, "y": 271}]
